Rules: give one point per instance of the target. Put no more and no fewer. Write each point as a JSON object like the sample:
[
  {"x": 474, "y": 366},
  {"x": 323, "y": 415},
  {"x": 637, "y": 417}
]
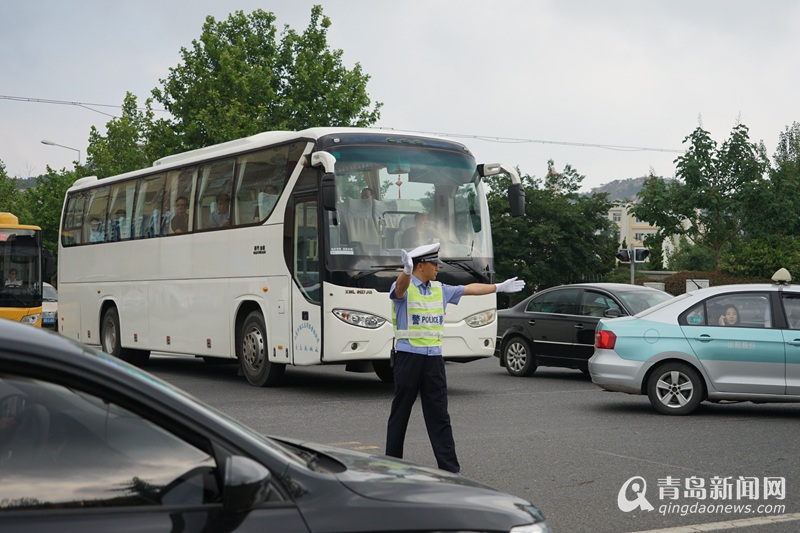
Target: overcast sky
[{"x": 519, "y": 81}]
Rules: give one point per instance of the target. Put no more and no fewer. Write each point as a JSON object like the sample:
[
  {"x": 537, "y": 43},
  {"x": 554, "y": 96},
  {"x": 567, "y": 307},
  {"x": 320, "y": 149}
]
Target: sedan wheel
[
  {"x": 518, "y": 355},
  {"x": 675, "y": 389}
]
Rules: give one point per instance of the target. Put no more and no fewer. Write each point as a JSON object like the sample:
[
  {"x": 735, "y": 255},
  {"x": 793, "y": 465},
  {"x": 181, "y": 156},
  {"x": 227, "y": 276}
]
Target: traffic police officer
[{"x": 419, "y": 304}]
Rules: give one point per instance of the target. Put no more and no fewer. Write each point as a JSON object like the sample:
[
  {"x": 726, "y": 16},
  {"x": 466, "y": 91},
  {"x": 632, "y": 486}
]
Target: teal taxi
[{"x": 724, "y": 343}]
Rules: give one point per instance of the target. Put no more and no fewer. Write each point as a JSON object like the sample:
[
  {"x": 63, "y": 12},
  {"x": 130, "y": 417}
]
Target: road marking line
[{"x": 729, "y": 524}]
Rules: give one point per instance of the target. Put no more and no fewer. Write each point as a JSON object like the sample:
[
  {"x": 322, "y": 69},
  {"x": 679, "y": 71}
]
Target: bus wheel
[
  {"x": 109, "y": 333},
  {"x": 111, "y": 344},
  {"x": 251, "y": 349},
  {"x": 383, "y": 369}
]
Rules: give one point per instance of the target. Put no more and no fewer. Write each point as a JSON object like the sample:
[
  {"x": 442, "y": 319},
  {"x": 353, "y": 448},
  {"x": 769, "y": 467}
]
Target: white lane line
[{"x": 728, "y": 524}]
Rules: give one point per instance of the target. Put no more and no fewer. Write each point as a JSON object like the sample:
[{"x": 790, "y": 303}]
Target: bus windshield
[
  {"x": 20, "y": 272},
  {"x": 399, "y": 197}
]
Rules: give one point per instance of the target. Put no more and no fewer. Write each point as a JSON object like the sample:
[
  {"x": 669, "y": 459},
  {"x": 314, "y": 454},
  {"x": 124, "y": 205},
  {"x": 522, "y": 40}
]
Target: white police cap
[{"x": 428, "y": 253}]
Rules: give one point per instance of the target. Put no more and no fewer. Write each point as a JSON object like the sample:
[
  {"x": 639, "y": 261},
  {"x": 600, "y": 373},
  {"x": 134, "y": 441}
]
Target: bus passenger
[
  {"x": 180, "y": 222},
  {"x": 367, "y": 194},
  {"x": 419, "y": 234},
  {"x": 96, "y": 234},
  {"x": 221, "y": 217}
]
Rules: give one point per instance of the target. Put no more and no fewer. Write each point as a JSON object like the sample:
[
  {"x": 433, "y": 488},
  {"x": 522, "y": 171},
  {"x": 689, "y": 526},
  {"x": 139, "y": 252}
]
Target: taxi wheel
[
  {"x": 519, "y": 358},
  {"x": 675, "y": 389}
]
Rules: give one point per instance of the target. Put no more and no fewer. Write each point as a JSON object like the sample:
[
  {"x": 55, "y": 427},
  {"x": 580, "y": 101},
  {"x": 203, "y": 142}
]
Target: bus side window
[
  {"x": 148, "y": 207},
  {"x": 72, "y": 227},
  {"x": 179, "y": 191},
  {"x": 214, "y": 195},
  {"x": 260, "y": 179},
  {"x": 97, "y": 204}
]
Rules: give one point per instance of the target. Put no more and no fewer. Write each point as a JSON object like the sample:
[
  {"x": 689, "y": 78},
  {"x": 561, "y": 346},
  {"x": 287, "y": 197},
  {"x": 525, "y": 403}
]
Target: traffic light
[
  {"x": 640, "y": 254},
  {"x": 624, "y": 255}
]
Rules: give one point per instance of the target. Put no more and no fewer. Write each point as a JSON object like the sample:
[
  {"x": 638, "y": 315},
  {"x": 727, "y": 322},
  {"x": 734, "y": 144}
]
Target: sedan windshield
[{"x": 640, "y": 300}]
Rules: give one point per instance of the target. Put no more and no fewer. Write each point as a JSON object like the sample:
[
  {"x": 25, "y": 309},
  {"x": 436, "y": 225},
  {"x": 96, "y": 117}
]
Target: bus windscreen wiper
[{"x": 465, "y": 263}]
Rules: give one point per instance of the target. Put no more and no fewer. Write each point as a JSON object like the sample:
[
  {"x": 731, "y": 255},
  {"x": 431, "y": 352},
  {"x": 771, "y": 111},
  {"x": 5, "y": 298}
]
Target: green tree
[
  {"x": 238, "y": 80},
  {"x": 761, "y": 257},
  {"x": 563, "y": 237},
  {"x": 779, "y": 213},
  {"x": 689, "y": 256},
  {"x": 9, "y": 194},
  {"x": 42, "y": 204},
  {"x": 769, "y": 241},
  {"x": 656, "y": 246},
  {"x": 126, "y": 145},
  {"x": 720, "y": 189}
]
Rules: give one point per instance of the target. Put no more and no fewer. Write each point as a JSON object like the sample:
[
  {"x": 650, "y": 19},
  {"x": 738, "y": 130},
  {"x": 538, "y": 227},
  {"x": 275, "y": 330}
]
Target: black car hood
[{"x": 389, "y": 479}]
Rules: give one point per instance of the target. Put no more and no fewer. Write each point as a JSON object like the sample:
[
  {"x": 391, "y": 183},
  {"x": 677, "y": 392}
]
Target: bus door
[{"x": 306, "y": 280}]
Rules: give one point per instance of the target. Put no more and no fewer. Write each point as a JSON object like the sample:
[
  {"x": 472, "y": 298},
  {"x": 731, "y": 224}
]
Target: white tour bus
[{"x": 263, "y": 250}]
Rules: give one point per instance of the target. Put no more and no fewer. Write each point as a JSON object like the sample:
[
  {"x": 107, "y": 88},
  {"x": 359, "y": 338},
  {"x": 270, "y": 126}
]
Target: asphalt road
[{"x": 555, "y": 439}]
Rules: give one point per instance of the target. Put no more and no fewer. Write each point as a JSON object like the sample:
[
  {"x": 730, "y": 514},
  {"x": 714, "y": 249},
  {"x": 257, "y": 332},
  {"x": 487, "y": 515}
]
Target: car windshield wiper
[
  {"x": 311, "y": 458},
  {"x": 378, "y": 268},
  {"x": 465, "y": 263}
]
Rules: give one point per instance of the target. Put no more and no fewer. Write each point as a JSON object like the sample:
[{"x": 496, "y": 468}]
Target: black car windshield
[
  {"x": 666, "y": 302},
  {"x": 640, "y": 300}
]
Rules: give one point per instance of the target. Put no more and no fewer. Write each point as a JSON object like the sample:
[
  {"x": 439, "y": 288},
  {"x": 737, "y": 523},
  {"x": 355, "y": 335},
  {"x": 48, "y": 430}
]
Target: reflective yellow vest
[{"x": 425, "y": 317}]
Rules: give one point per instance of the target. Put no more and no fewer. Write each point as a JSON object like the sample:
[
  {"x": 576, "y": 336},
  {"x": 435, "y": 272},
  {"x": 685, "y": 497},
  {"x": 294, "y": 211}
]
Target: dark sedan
[
  {"x": 90, "y": 443},
  {"x": 555, "y": 327}
]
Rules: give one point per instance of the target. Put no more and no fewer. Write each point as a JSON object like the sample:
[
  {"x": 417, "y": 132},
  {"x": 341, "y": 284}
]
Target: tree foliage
[
  {"x": 9, "y": 195},
  {"x": 564, "y": 236},
  {"x": 126, "y": 145},
  {"x": 779, "y": 211},
  {"x": 689, "y": 256},
  {"x": 41, "y": 205},
  {"x": 720, "y": 189},
  {"x": 237, "y": 79}
]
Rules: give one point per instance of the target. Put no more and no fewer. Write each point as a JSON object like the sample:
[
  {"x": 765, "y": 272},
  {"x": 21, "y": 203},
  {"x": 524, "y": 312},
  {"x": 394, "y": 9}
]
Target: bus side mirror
[
  {"x": 516, "y": 199},
  {"x": 328, "y": 191}
]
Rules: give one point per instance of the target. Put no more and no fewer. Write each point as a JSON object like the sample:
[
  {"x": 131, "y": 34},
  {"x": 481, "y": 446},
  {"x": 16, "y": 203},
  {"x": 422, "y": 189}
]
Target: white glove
[
  {"x": 408, "y": 264},
  {"x": 510, "y": 285}
]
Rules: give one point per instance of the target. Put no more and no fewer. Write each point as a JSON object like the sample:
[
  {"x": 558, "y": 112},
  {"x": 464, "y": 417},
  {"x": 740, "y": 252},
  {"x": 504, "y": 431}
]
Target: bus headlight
[
  {"x": 357, "y": 318},
  {"x": 480, "y": 319},
  {"x": 31, "y": 320}
]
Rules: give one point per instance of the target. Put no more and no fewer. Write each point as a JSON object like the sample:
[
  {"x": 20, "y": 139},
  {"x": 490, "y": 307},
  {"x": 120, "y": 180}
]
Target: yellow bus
[{"x": 20, "y": 271}]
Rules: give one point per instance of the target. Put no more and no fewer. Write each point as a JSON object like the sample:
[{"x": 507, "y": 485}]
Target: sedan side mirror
[
  {"x": 246, "y": 484},
  {"x": 612, "y": 313}
]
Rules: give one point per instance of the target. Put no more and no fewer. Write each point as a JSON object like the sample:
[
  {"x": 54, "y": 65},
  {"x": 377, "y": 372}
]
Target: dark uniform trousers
[{"x": 423, "y": 375}]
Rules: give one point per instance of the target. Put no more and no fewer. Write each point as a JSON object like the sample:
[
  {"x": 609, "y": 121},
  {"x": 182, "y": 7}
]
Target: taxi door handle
[
  {"x": 795, "y": 342},
  {"x": 703, "y": 338}
]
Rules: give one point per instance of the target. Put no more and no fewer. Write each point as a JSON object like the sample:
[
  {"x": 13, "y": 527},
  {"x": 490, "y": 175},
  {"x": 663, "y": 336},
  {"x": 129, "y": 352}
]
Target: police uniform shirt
[{"x": 451, "y": 294}]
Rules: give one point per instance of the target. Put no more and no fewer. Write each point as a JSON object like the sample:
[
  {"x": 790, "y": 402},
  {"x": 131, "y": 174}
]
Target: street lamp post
[{"x": 51, "y": 143}]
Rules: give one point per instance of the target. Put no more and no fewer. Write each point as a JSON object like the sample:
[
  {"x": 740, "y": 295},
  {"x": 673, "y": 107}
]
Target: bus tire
[
  {"x": 109, "y": 333},
  {"x": 111, "y": 342},
  {"x": 383, "y": 369},
  {"x": 251, "y": 349}
]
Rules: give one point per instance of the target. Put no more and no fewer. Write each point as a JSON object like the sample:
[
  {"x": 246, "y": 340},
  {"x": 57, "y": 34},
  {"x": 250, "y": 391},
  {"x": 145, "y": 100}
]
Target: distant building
[{"x": 633, "y": 231}]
